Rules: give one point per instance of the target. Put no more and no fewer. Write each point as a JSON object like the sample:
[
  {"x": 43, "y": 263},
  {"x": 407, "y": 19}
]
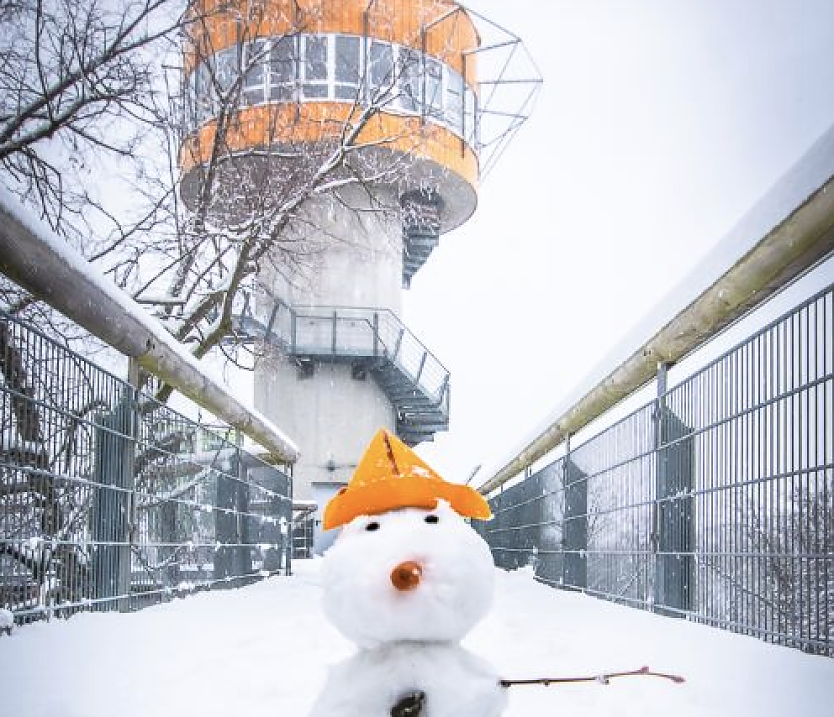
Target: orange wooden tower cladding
[
  {"x": 449, "y": 32},
  {"x": 439, "y": 29}
]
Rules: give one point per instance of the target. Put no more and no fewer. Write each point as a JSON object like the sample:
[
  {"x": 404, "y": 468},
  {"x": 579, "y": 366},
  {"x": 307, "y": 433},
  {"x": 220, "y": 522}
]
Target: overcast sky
[{"x": 659, "y": 124}]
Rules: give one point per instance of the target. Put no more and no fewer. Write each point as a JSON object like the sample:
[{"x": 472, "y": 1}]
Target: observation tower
[{"x": 348, "y": 135}]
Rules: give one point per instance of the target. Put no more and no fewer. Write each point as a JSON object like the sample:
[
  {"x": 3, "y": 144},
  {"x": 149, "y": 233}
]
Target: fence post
[
  {"x": 111, "y": 516},
  {"x": 246, "y": 531},
  {"x": 225, "y": 527},
  {"x": 277, "y": 513},
  {"x": 233, "y": 560},
  {"x": 575, "y": 526},
  {"x": 673, "y": 515},
  {"x": 549, "y": 546}
]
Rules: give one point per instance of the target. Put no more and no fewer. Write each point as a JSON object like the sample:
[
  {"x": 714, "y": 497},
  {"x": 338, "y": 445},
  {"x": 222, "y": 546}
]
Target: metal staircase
[
  {"x": 416, "y": 250},
  {"x": 373, "y": 341},
  {"x": 421, "y": 230}
]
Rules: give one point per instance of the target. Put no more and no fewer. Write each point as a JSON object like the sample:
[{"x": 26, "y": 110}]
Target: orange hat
[{"x": 390, "y": 476}]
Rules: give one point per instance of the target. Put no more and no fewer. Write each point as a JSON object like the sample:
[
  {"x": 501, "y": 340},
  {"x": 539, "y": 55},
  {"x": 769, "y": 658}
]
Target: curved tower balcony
[
  {"x": 307, "y": 70},
  {"x": 266, "y": 78}
]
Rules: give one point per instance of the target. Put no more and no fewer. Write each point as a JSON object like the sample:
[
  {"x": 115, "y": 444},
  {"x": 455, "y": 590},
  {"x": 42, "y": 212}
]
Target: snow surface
[{"x": 263, "y": 650}]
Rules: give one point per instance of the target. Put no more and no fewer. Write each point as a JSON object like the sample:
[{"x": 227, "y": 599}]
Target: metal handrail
[
  {"x": 36, "y": 259},
  {"x": 787, "y": 233}
]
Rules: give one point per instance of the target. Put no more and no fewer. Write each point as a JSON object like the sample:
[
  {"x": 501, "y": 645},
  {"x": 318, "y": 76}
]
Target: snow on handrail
[
  {"x": 786, "y": 233},
  {"x": 32, "y": 256}
]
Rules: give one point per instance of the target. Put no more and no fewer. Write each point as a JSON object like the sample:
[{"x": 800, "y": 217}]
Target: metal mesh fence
[
  {"x": 303, "y": 532},
  {"x": 110, "y": 500},
  {"x": 713, "y": 502}
]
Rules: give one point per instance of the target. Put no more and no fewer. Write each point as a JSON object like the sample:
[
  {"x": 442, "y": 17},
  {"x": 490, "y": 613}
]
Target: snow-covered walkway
[{"x": 263, "y": 650}]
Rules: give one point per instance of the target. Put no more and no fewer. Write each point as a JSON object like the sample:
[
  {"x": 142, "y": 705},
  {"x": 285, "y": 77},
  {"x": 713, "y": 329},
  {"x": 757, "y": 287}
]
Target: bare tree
[
  {"x": 77, "y": 95},
  {"x": 116, "y": 90},
  {"x": 246, "y": 200},
  {"x": 93, "y": 86},
  {"x": 76, "y": 78},
  {"x": 780, "y": 580},
  {"x": 43, "y": 435}
]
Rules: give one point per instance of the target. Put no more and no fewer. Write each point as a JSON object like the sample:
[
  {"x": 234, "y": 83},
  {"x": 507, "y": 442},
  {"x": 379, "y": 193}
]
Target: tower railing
[
  {"x": 342, "y": 332},
  {"x": 375, "y": 342}
]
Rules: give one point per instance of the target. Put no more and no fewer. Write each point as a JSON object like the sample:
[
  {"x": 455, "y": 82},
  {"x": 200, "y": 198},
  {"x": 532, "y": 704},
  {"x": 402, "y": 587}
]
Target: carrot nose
[{"x": 406, "y": 576}]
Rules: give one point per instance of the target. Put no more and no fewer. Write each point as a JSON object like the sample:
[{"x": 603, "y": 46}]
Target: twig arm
[{"x": 602, "y": 679}]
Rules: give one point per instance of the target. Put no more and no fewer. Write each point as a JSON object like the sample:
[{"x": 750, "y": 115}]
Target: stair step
[
  {"x": 420, "y": 414},
  {"x": 420, "y": 429},
  {"x": 422, "y": 418}
]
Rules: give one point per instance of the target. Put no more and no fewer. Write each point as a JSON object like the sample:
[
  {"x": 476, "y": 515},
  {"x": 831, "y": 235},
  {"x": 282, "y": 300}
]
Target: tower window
[
  {"x": 454, "y": 99},
  {"x": 381, "y": 67},
  {"x": 204, "y": 92},
  {"x": 331, "y": 67},
  {"x": 315, "y": 66},
  {"x": 255, "y": 72},
  {"x": 409, "y": 80},
  {"x": 470, "y": 127},
  {"x": 282, "y": 68},
  {"x": 226, "y": 69},
  {"x": 433, "y": 84},
  {"x": 347, "y": 66}
]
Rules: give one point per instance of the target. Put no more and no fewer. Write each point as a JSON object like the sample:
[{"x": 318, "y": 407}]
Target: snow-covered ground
[{"x": 264, "y": 650}]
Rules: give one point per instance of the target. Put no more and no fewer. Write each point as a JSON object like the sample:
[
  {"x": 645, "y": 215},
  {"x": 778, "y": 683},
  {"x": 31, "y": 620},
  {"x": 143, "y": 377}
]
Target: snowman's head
[{"x": 407, "y": 574}]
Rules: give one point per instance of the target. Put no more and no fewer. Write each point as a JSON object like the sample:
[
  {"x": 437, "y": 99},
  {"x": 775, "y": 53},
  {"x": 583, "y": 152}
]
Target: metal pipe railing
[
  {"x": 787, "y": 233},
  {"x": 32, "y": 256}
]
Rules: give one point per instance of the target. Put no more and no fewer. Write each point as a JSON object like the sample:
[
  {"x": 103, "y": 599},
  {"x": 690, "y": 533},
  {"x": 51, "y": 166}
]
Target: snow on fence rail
[
  {"x": 42, "y": 263},
  {"x": 714, "y": 499},
  {"x": 110, "y": 500}
]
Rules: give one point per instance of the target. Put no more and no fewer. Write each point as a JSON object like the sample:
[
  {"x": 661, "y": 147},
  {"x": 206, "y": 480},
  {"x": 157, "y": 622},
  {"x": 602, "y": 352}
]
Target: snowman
[{"x": 405, "y": 581}]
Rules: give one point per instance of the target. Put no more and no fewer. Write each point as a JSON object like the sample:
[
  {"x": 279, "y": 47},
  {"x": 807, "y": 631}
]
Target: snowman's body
[
  {"x": 455, "y": 682},
  {"x": 406, "y": 586}
]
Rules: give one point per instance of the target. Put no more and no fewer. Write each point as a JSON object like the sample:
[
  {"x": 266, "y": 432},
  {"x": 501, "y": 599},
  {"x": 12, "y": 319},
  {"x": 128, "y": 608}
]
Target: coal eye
[
  {"x": 372, "y": 526},
  {"x": 432, "y": 519}
]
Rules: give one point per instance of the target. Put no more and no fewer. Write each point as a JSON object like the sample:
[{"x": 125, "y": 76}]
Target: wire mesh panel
[
  {"x": 713, "y": 502},
  {"x": 762, "y": 420},
  {"x": 303, "y": 531},
  {"x": 621, "y": 482},
  {"x": 527, "y": 526},
  {"x": 110, "y": 500}
]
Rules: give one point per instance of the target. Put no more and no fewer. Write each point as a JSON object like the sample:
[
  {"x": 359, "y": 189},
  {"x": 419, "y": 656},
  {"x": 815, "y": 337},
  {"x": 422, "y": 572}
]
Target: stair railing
[{"x": 362, "y": 332}]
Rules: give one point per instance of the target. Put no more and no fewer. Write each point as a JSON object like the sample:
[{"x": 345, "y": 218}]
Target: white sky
[{"x": 659, "y": 124}]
